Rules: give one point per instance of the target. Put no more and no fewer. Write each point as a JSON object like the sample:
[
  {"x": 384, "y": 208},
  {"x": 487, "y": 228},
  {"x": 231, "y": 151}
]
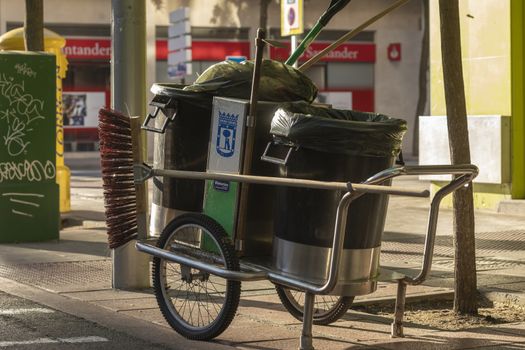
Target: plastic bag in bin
[
  {"x": 279, "y": 82},
  {"x": 338, "y": 131}
]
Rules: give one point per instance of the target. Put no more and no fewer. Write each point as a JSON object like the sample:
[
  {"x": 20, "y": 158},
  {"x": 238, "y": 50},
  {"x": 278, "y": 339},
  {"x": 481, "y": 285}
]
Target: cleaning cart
[{"x": 312, "y": 238}]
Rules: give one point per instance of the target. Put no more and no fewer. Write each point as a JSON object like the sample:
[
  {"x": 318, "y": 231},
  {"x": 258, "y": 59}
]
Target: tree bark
[
  {"x": 34, "y": 25},
  {"x": 423, "y": 80},
  {"x": 465, "y": 298}
]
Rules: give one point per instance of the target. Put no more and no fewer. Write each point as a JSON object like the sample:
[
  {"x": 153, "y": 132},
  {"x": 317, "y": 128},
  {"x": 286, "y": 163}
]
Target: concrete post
[{"x": 128, "y": 95}]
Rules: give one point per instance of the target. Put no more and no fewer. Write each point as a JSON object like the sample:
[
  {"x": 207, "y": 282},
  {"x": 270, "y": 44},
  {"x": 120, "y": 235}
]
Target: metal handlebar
[
  {"x": 466, "y": 173},
  {"x": 142, "y": 172},
  {"x": 158, "y": 107},
  {"x": 279, "y": 161},
  {"x": 463, "y": 169},
  {"x": 464, "y": 179}
]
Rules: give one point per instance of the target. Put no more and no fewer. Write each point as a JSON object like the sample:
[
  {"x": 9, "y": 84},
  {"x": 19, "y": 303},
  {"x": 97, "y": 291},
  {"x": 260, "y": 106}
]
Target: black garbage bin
[
  {"x": 184, "y": 145},
  {"x": 331, "y": 145}
]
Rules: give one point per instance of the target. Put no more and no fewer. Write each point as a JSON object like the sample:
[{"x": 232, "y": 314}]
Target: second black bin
[{"x": 331, "y": 145}]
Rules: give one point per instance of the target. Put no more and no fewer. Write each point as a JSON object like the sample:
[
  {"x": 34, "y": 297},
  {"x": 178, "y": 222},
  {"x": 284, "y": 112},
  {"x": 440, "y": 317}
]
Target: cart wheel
[
  {"x": 327, "y": 308},
  {"x": 197, "y": 305}
]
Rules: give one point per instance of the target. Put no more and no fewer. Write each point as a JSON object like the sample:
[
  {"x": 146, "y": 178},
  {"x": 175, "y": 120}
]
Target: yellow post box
[{"x": 53, "y": 43}]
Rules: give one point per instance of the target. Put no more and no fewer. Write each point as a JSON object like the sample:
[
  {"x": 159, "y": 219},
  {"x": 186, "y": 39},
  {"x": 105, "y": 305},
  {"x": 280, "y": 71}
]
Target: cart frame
[{"x": 463, "y": 176}]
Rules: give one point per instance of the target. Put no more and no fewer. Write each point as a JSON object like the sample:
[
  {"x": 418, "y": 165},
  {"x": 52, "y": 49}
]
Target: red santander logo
[{"x": 394, "y": 52}]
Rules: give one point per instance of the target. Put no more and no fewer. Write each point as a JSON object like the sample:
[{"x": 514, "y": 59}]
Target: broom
[{"x": 125, "y": 202}]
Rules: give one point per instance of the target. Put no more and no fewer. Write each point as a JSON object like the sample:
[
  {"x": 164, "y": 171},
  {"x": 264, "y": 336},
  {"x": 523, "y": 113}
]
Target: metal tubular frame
[
  {"x": 144, "y": 172},
  {"x": 464, "y": 175},
  {"x": 466, "y": 172},
  {"x": 305, "y": 342}
]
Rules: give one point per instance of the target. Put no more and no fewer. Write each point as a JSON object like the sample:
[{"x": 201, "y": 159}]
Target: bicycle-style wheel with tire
[
  {"x": 198, "y": 305},
  {"x": 327, "y": 308}
]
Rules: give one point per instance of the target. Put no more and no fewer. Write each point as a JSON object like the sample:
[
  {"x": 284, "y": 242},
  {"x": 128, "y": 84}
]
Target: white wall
[{"x": 59, "y": 11}]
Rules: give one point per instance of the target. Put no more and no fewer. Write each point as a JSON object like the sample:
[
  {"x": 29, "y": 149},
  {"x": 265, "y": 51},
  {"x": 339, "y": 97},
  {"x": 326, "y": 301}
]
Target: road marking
[
  {"x": 25, "y": 311},
  {"x": 75, "y": 340}
]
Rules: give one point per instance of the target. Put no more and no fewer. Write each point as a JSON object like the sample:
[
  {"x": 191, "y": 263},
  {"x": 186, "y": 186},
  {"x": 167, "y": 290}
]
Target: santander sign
[
  {"x": 351, "y": 52},
  {"x": 87, "y": 48},
  {"x": 343, "y": 54}
]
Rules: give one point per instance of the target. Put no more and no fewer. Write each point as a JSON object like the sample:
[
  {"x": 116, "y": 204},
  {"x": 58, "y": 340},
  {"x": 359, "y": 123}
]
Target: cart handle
[
  {"x": 466, "y": 173},
  {"x": 456, "y": 183},
  {"x": 463, "y": 169},
  {"x": 158, "y": 107},
  {"x": 142, "y": 172},
  {"x": 279, "y": 161}
]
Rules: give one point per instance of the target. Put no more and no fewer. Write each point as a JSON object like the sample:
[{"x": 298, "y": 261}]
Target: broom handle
[
  {"x": 350, "y": 35},
  {"x": 240, "y": 230},
  {"x": 140, "y": 189}
]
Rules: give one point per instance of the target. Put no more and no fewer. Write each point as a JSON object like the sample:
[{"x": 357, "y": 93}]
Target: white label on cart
[{"x": 225, "y": 151}]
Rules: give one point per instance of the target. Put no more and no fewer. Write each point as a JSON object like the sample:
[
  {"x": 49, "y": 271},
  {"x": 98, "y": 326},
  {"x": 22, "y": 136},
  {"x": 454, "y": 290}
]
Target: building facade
[{"x": 377, "y": 71}]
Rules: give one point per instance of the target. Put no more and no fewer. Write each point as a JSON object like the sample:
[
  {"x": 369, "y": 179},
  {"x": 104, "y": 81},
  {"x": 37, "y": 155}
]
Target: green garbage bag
[
  {"x": 279, "y": 82},
  {"x": 338, "y": 131}
]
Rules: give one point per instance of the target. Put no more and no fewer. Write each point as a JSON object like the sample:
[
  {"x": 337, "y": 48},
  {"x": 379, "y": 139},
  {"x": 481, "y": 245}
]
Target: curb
[
  {"x": 79, "y": 222},
  {"x": 512, "y": 298},
  {"x": 512, "y": 207},
  {"x": 68, "y": 220},
  {"x": 410, "y": 299},
  {"x": 505, "y": 297}
]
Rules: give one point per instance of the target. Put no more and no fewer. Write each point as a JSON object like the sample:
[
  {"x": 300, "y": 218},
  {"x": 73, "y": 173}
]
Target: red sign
[
  {"x": 218, "y": 50},
  {"x": 161, "y": 48},
  {"x": 363, "y": 100},
  {"x": 88, "y": 48},
  {"x": 209, "y": 50},
  {"x": 394, "y": 52},
  {"x": 201, "y": 50},
  {"x": 354, "y": 52}
]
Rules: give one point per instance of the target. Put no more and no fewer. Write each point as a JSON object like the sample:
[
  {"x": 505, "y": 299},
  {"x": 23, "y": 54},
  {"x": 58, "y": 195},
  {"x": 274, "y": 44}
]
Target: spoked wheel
[
  {"x": 196, "y": 304},
  {"x": 327, "y": 308}
]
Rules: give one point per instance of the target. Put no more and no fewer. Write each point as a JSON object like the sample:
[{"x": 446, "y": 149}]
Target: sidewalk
[{"x": 77, "y": 269}]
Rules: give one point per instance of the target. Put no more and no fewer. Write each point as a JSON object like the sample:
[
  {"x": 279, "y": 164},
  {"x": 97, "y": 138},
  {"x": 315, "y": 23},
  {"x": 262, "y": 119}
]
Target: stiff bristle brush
[{"x": 125, "y": 202}]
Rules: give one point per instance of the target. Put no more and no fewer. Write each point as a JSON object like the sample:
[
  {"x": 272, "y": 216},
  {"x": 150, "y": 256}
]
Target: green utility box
[{"x": 29, "y": 202}]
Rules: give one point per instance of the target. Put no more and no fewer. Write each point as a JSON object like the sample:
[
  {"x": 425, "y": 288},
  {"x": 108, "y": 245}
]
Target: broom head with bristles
[{"x": 116, "y": 158}]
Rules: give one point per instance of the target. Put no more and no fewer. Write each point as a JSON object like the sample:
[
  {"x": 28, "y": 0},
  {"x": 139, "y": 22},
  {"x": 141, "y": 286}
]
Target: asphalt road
[{"x": 27, "y": 325}]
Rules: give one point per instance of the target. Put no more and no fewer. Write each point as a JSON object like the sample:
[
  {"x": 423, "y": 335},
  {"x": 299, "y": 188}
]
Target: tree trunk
[
  {"x": 423, "y": 80},
  {"x": 465, "y": 298},
  {"x": 34, "y": 25}
]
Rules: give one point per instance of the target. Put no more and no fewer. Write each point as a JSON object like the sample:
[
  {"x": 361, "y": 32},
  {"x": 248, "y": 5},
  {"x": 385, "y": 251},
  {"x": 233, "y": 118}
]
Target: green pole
[
  {"x": 312, "y": 34},
  {"x": 334, "y": 7},
  {"x": 517, "y": 13}
]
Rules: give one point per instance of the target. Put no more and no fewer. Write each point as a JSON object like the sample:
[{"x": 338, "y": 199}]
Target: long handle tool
[
  {"x": 335, "y": 7},
  {"x": 350, "y": 35},
  {"x": 250, "y": 136}
]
